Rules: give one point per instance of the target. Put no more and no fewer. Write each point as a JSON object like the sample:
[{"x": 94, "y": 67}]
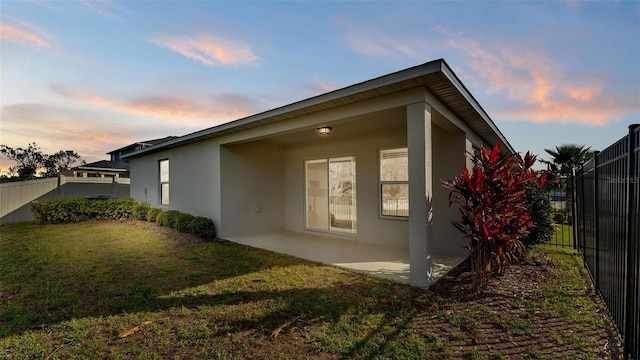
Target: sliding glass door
[{"x": 330, "y": 188}]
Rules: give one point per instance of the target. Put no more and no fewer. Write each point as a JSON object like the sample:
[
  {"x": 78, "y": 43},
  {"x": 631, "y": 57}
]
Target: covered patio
[
  {"x": 364, "y": 194},
  {"x": 376, "y": 260}
]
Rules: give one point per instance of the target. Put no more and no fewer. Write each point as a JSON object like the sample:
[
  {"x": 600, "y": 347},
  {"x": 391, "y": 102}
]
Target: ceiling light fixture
[{"x": 325, "y": 130}]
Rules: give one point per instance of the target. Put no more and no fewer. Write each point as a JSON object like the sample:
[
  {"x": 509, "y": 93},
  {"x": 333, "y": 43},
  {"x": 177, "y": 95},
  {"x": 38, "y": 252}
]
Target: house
[
  {"x": 359, "y": 165},
  {"x": 115, "y": 167},
  {"x": 102, "y": 168},
  {"x": 117, "y": 154}
]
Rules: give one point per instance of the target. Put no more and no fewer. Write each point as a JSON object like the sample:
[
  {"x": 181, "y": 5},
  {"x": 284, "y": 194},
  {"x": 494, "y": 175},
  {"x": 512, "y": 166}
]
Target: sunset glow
[{"x": 93, "y": 76}]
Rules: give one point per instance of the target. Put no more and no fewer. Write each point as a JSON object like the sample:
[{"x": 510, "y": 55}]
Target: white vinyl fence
[{"x": 16, "y": 197}]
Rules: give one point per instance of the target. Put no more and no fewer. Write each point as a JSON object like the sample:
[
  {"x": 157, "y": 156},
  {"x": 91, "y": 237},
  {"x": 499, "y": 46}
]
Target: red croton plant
[{"x": 494, "y": 210}]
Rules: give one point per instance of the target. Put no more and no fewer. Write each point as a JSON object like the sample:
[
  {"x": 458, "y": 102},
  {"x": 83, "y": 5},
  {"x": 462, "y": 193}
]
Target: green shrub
[
  {"x": 152, "y": 214},
  {"x": 560, "y": 217},
  {"x": 199, "y": 226},
  {"x": 78, "y": 209},
  {"x": 162, "y": 218},
  {"x": 56, "y": 211},
  {"x": 167, "y": 218},
  {"x": 171, "y": 218},
  {"x": 183, "y": 221},
  {"x": 140, "y": 211},
  {"x": 115, "y": 209},
  {"x": 202, "y": 227},
  {"x": 540, "y": 212},
  {"x": 81, "y": 209}
]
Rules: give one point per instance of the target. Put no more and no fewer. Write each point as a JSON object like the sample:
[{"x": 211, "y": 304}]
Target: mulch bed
[{"x": 504, "y": 294}]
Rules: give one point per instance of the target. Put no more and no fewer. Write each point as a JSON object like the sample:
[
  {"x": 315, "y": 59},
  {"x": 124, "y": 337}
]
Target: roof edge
[
  {"x": 381, "y": 81},
  {"x": 431, "y": 67},
  {"x": 455, "y": 80}
]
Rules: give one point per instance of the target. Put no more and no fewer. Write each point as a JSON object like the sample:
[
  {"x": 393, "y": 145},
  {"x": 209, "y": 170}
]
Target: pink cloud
[
  {"x": 58, "y": 128},
  {"x": 176, "y": 108},
  {"x": 540, "y": 89},
  {"x": 210, "y": 50},
  {"x": 78, "y": 95},
  {"x": 216, "y": 109},
  {"x": 583, "y": 93},
  {"x": 537, "y": 88},
  {"x": 24, "y": 33}
]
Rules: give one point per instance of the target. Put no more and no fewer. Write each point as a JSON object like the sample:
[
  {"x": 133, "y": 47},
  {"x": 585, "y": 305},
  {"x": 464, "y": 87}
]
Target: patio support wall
[{"x": 420, "y": 192}]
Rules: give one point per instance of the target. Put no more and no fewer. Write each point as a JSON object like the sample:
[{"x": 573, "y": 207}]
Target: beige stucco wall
[
  {"x": 194, "y": 184},
  {"x": 371, "y": 227},
  {"x": 448, "y": 162},
  {"x": 252, "y": 178}
]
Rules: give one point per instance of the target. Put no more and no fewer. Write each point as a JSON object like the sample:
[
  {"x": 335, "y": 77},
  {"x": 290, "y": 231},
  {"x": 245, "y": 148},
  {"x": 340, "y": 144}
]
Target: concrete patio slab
[{"x": 375, "y": 260}]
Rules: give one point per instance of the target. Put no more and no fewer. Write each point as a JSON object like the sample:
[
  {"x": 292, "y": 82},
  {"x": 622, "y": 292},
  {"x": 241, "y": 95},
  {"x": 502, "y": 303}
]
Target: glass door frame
[{"x": 348, "y": 209}]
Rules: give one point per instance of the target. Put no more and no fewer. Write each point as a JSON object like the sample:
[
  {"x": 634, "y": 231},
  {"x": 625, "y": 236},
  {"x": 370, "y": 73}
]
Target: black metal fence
[
  {"x": 607, "y": 231},
  {"x": 560, "y": 192}
]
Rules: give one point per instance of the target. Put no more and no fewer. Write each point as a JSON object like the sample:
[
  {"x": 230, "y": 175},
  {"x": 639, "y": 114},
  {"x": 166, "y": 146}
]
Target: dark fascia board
[
  {"x": 100, "y": 169},
  {"x": 367, "y": 89},
  {"x": 145, "y": 143},
  {"x": 126, "y": 147}
]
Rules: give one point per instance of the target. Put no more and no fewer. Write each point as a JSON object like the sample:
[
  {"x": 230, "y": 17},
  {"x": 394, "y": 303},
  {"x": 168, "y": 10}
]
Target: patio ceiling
[{"x": 346, "y": 128}]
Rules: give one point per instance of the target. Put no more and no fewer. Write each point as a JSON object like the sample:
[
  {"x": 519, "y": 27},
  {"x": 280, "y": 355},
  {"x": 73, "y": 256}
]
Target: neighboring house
[
  {"x": 102, "y": 168},
  {"x": 116, "y": 155},
  {"x": 373, "y": 177},
  {"x": 115, "y": 167}
]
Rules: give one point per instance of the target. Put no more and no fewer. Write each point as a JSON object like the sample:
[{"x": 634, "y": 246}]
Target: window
[
  {"x": 330, "y": 194},
  {"x": 394, "y": 182},
  {"x": 164, "y": 182}
]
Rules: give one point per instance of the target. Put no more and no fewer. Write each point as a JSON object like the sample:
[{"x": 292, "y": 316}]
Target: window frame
[
  {"x": 162, "y": 183},
  {"x": 382, "y": 182}
]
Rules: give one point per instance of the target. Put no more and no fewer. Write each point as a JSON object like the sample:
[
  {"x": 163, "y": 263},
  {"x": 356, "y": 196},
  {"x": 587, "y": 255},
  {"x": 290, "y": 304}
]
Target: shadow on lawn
[
  {"x": 338, "y": 306},
  {"x": 46, "y": 293},
  {"x": 190, "y": 276},
  {"x": 339, "y": 315}
]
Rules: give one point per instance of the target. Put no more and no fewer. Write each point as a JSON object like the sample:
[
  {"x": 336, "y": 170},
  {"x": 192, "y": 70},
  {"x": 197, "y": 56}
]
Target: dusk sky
[{"x": 93, "y": 76}]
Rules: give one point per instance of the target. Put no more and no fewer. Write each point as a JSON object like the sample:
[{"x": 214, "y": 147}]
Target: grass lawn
[
  {"x": 132, "y": 290},
  {"x": 562, "y": 235}
]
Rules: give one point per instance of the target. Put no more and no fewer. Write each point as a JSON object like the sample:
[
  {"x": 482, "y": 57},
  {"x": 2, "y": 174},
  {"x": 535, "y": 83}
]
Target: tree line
[{"x": 28, "y": 161}]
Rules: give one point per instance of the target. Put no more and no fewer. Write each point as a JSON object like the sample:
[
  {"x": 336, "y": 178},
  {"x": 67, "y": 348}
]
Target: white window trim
[
  {"x": 164, "y": 182},
  {"x": 381, "y": 183}
]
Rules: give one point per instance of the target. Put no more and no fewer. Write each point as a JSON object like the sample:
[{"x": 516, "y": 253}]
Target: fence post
[
  {"x": 597, "y": 219},
  {"x": 59, "y": 187},
  {"x": 574, "y": 214},
  {"x": 632, "y": 331},
  {"x": 583, "y": 208}
]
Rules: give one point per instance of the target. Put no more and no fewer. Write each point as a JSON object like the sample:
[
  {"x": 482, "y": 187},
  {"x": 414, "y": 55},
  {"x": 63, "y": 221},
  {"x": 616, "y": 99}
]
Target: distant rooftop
[{"x": 142, "y": 144}]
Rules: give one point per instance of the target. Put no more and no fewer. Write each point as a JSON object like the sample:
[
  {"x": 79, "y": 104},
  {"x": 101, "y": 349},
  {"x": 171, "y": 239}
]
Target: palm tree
[{"x": 566, "y": 159}]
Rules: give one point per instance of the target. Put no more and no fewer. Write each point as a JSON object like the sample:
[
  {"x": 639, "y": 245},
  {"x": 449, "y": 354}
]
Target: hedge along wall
[
  {"x": 79, "y": 209},
  {"x": 16, "y": 197}
]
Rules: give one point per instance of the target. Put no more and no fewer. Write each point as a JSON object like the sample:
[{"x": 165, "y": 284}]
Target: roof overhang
[
  {"x": 436, "y": 76},
  {"x": 89, "y": 168}
]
